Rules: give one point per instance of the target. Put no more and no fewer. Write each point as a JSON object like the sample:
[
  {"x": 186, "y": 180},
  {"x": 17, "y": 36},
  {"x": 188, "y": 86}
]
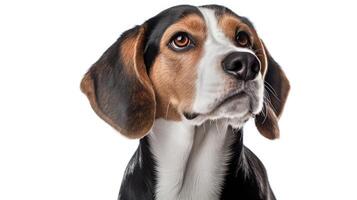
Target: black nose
[{"x": 243, "y": 65}]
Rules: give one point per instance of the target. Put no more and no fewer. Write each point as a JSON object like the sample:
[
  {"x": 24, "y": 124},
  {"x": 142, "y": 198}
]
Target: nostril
[
  {"x": 234, "y": 66},
  {"x": 255, "y": 67},
  {"x": 237, "y": 66},
  {"x": 253, "y": 71}
]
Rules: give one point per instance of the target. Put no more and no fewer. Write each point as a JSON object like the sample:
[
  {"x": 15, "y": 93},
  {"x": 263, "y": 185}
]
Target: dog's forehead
[
  {"x": 156, "y": 26},
  {"x": 220, "y": 11}
]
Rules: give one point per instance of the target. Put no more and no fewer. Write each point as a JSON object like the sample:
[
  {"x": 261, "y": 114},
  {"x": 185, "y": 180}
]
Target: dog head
[{"x": 188, "y": 63}]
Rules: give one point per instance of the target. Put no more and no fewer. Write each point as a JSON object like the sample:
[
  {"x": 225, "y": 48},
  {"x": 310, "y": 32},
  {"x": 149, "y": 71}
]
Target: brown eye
[
  {"x": 242, "y": 39},
  {"x": 181, "y": 41}
]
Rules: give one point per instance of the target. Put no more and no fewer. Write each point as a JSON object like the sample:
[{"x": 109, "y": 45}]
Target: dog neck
[{"x": 191, "y": 161}]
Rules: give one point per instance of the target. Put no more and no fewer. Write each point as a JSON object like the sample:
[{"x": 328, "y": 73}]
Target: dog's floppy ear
[
  {"x": 276, "y": 86},
  {"x": 118, "y": 86}
]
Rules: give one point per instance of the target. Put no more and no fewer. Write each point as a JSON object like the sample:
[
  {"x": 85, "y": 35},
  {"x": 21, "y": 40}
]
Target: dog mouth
[
  {"x": 224, "y": 101},
  {"x": 190, "y": 116},
  {"x": 229, "y": 99}
]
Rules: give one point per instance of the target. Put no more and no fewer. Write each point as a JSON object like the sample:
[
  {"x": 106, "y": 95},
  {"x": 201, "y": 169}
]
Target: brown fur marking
[{"x": 174, "y": 73}]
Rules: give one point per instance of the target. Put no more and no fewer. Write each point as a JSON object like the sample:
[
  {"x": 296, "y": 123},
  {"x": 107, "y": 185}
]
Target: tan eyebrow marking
[{"x": 193, "y": 24}]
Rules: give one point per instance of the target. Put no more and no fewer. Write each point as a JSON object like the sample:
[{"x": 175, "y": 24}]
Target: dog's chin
[{"x": 235, "y": 111}]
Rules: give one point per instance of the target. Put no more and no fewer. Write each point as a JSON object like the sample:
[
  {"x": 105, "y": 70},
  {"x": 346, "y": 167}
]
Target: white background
[{"x": 53, "y": 146}]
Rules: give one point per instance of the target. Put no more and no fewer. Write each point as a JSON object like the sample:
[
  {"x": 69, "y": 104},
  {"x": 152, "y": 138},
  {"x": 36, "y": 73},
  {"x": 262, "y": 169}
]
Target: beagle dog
[{"x": 185, "y": 82}]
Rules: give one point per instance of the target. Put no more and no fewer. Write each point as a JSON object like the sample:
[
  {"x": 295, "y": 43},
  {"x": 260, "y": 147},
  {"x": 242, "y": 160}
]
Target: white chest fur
[{"x": 191, "y": 161}]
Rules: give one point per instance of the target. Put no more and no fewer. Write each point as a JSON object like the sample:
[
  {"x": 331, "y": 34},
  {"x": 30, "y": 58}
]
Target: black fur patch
[
  {"x": 139, "y": 179},
  {"x": 246, "y": 177}
]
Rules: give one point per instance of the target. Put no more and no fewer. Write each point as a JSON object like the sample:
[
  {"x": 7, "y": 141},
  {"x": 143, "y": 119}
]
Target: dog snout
[{"x": 242, "y": 65}]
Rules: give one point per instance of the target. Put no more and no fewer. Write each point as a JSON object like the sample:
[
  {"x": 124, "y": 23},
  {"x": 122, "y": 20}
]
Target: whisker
[
  {"x": 271, "y": 89},
  {"x": 266, "y": 112},
  {"x": 264, "y": 109},
  {"x": 272, "y": 94},
  {"x": 267, "y": 96}
]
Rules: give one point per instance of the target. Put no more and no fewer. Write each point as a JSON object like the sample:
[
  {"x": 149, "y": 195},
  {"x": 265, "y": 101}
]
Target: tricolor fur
[{"x": 188, "y": 104}]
